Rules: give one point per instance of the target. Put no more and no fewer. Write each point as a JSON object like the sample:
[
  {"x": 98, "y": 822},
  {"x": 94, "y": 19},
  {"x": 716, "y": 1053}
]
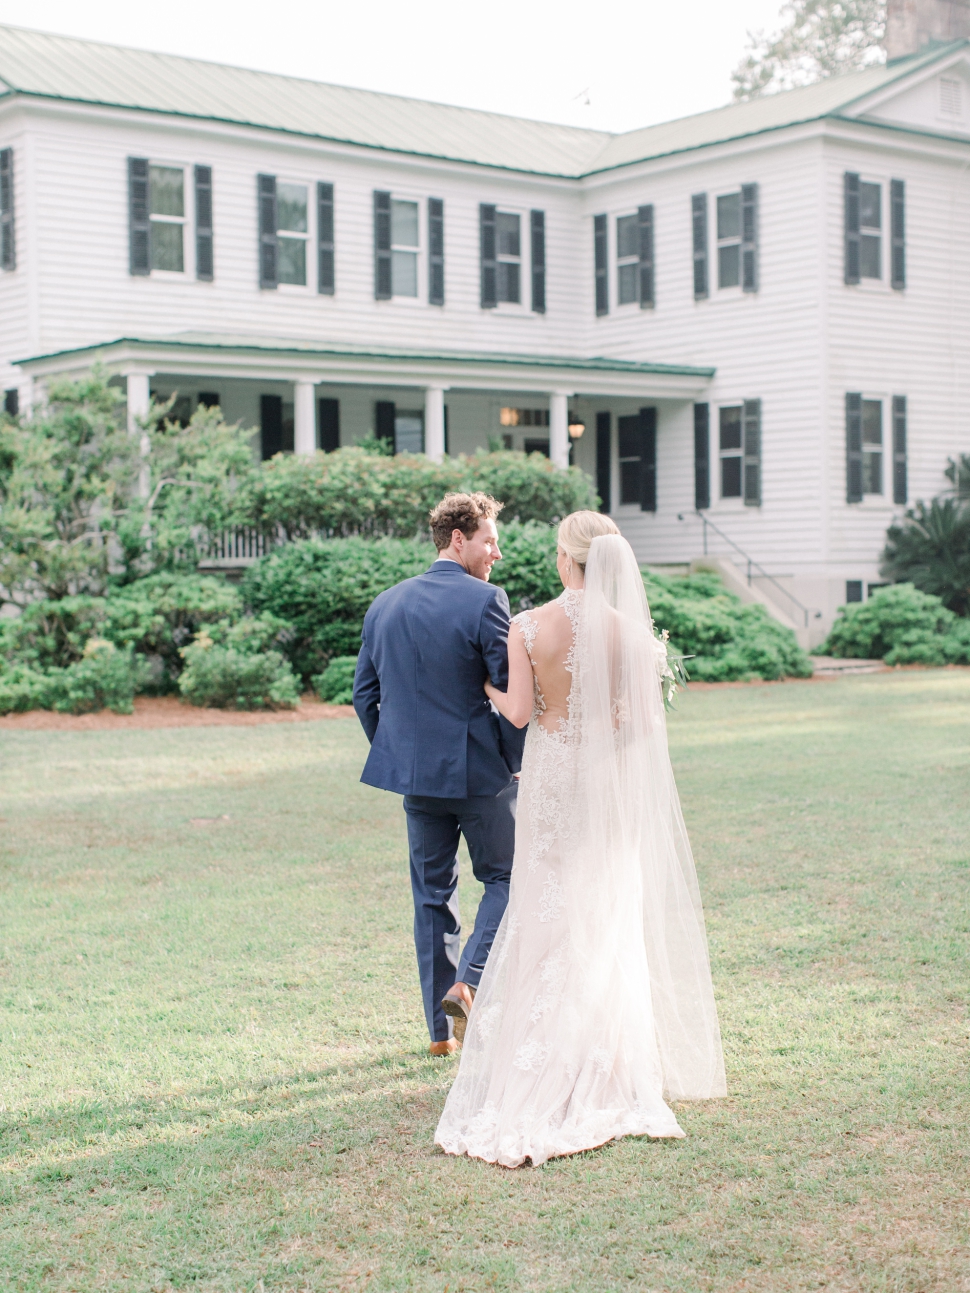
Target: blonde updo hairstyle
[{"x": 578, "y": 530}]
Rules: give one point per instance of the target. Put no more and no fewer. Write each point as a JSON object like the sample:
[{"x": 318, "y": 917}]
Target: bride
[{"x": 596, "y": 1000}]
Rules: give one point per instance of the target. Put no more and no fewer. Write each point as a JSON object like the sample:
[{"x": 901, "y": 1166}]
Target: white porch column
[
  {"x": 304, "y": 419},
  {"x": 434, "y": 422},
  {"x": 559, "y": 428},
  {"x": 139, "y": 402}
]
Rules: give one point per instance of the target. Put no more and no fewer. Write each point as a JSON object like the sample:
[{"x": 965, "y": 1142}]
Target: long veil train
[{"x": 597, "y": 997}]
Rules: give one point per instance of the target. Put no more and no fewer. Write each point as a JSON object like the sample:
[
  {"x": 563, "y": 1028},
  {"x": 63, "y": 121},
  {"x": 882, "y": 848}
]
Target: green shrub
[
  {"x": 105, "y": 678},
  {"x": 727, "y": 639},
  {"x": 900, "y": 625},
  {"x": 233, "y": 667},
  {"x": 527, "y": 570},
  {"x": 324, "y": 587},
  {"x": 353, "y": 492},
  {"x": 930, "y": 549},
  {"x": 160, "y": 614},
  {"x": 336, "y": 684},
  {"x": 51, "y": 634}
]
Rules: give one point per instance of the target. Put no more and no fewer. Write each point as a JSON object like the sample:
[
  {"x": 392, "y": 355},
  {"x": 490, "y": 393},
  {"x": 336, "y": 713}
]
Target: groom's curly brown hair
[{"x": 463, "y": 512}]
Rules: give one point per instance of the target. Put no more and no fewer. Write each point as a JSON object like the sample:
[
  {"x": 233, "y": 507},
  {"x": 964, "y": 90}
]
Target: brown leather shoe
[
  {"x": 457, "y": 1002},
  {"x": 443, "y": 1048}
]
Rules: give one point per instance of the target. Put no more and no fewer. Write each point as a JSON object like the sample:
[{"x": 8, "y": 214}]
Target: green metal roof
[
  {"x": 40, "y": 65},
  {"x": 287, "y": 345}
]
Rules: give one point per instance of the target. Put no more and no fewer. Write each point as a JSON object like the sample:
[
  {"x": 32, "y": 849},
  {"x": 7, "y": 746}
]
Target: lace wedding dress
[{"x": 596, "y": 1000}]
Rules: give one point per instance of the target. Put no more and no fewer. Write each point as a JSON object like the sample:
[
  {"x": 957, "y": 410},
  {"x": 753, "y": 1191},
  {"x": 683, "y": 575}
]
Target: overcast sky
[{"x": 637, "y": 63}]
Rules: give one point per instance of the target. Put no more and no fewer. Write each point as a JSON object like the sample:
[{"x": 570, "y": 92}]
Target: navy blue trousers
[{"x": 434, "y": 826}]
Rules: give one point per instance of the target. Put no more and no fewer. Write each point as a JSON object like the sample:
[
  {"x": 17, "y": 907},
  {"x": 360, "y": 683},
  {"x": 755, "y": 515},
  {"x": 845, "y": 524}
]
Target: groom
[{"x": 428, "y": 646}]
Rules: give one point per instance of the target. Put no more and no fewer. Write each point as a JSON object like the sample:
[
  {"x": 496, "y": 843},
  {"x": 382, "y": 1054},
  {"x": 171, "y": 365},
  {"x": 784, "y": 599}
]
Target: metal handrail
[{"x": 752, "y": 565}]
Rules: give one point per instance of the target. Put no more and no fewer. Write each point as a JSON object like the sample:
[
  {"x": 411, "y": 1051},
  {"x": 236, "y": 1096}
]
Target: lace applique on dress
[
  {"x": 530, "y": 1057},
  {"x": 552, "y": 900},
  {"x": 529, "y": 627}
]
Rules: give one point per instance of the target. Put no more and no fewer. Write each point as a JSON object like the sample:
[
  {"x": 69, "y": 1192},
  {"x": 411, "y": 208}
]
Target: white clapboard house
[{"x": 751, "y": 326}]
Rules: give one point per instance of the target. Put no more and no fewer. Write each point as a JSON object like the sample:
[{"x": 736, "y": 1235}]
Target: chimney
[{"x": 912, "y": 25}]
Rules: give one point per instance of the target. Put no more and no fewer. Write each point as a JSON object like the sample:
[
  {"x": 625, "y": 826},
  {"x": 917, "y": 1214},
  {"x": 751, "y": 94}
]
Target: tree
[
  {"x": 74, "y": 514},
  {"x": 819, "y": 38},
  {"x": 930, "y": 546}
]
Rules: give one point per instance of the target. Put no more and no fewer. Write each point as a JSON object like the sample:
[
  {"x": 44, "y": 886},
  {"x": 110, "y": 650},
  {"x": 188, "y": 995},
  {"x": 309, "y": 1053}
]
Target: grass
[{"x": 212, "y": 1065}]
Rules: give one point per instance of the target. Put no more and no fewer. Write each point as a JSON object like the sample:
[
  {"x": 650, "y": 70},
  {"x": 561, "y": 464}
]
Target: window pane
[
  {"x": 627, "y": 236},
  {"x": 872, "y": 422},
  {"x": 729, "y": 216},
  {"x": 167, "y": 246},
  {"x": 404, "y": 273},
  {"x": 731, "y": 428},
  {"x": 729, "y": 265},
  {"x": 731, "y": 477},
  {"x": 404, "y": 227},
  {"x": 870, "y": 196},
  {"x": 291, "y": 207},
  {"x": 627, "y": 289},
  {"x": 508, "y": 281},
  {"x": 872, "y": 473},
  {"x": 507, "y": 230},
  {"x": 630, "y": 481},
  {"x": 629, "y": 436},
  {"x": 292, "y": 260},
  {"x": 409, "y": 432},
  {"x": 869, "y": 256},
  {"x": 165, "y": 185}
]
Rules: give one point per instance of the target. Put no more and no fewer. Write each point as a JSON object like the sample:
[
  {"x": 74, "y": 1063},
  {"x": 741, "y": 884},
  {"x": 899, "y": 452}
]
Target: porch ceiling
[{"x": 289, "y": 359}]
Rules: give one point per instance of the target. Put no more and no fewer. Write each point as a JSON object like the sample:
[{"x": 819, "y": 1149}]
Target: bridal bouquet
[{"x": 671, "y": 668}]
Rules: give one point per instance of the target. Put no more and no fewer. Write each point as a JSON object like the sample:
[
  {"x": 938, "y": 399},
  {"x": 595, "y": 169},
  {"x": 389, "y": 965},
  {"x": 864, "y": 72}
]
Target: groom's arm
[
  {"x": 367, "y": 692},
  {"x": 494, "y": 634}
]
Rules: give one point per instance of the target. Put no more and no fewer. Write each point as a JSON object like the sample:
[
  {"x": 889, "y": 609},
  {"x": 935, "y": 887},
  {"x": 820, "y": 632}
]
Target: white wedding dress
[{"x": 596, "y": 1000}]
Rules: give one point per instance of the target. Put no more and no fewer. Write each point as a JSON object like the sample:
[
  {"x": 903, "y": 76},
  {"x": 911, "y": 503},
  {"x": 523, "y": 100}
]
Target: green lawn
[{"x": 212, "y": 1067}]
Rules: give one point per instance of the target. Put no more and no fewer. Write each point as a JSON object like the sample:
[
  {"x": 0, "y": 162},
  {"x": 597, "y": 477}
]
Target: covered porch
[{"x": 302, "y": 396}]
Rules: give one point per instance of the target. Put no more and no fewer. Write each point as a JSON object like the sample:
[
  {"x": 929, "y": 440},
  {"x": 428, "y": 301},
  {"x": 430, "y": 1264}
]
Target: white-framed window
[
  {"x": 166, "y": 212},
  {"x": 292, "y": 231},
  {"x": 405, "y": 246},
  {"x": 872, "y": 446},
  {"x": 628, "y": 259},
  {"x": 731, "y": 450},
  {"x": 508, "y": 249},
  {"x": 870, "y": 229},
  {"x": 729, "y": 239}
]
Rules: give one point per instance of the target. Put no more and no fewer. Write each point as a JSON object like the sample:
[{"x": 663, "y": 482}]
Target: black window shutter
[
  {"x": 899, "y": 449},
  {"x": 382, "y": 246},
  {"x": 537, "y": 226},
  {"x": 698, "y": 211},
  {"x": 648, "y": 460},
  {"x": 8, "y": 249},
  {"x": 751, "y": 439},
  {"x": 645, "y": 224},
  {"x": 436, "y": 251},
  {"x": 604, "y": 456},
  {"x": 329, "y": 424},
  {"x": 487, "y": 256},
  {"x": 749, "y": 237},
  {"x": 271, "y": 424},
  {"x": 268, "y": 245},
  {"x": 702, "y": 456},
  {"x": 852, "y": 229},
  {"x": 139, "y": 228},
  {"x": 897, "y": 226},
  {"x": 326, "y": 275},
  {"x": 853, "y": 448},
  {"x": 203, "y": 224},
  {"x": 385, "y": 414},
  {"x": 599, "y": 260}
]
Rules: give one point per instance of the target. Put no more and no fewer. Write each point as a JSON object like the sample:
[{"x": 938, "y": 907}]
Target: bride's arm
[{"x": 516, "y": 703}]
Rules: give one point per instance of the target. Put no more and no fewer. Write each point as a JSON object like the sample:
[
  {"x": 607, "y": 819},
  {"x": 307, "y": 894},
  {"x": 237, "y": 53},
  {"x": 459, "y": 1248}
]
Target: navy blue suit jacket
[{"x": 427, "y": 647}]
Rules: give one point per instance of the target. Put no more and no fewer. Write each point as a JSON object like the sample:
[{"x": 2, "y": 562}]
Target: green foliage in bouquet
[{"x": 901, "y": 625}]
